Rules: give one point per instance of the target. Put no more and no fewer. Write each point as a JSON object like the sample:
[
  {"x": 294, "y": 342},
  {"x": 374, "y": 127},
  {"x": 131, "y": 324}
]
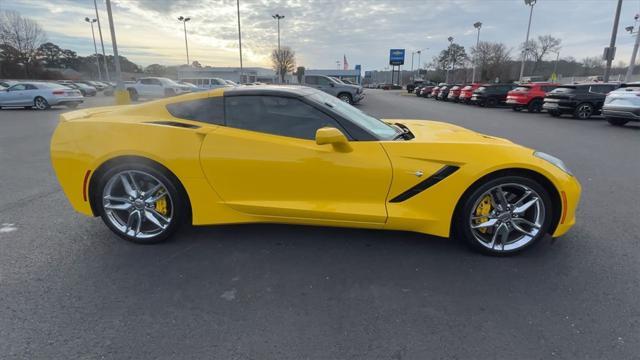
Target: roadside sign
[
  {"x": 554, "y": 77},
  {"x": 609, "y": 53},
  {"x": 396, "y": 57}
]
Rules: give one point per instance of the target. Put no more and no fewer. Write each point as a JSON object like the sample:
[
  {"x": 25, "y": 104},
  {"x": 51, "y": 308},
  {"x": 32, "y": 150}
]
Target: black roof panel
[{"x": 272, "y": 90}]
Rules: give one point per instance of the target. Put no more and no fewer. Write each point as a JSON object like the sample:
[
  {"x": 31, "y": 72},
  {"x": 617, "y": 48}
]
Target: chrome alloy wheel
[
  {"x": 507, "y": 217},
  {"x": 137, "y": 204},
  {"x": 585, "y": 111},
  {"x": 40, "y": 103}
]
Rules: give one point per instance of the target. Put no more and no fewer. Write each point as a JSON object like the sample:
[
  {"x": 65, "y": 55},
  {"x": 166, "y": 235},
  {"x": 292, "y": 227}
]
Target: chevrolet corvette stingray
[{"x": 299, "y": 156}]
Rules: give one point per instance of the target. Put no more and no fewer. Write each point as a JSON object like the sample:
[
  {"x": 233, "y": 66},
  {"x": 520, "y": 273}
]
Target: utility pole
[
  {"x": 278, "y": 17},
  {"x": 239, "y": 40},
  {"x": 632, "y": 63},
  {"x": 526, "y": 42},
  {"x": 610, "y": 52},
  {"x": 95, "y": 47},
  {"x": 121, "y": 95},
  {"x": 450, "y": 38},
  {"x": 186, "y": 44},
  {"x": 104, "y": 54},
  {"x": 476, "y": 25}
]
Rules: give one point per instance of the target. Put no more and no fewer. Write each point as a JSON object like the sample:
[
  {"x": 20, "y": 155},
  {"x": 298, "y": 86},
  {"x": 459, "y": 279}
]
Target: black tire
[
  {"x": 40, "y": 103},
  {"x": 346, "y": 97},
  {"x": 535, "y": 106},
  {"x": 491, "y": 102},
  {"x": 583, "y": 111},
  {"x": 180, "y": 208},
  {"x": 462, "y": 229},
  {"x": 554, "y": 113},
  {"x": 516, "y": 108},
  {"x": 133, "y": 94},
  {"x": 617, "y": 122}
]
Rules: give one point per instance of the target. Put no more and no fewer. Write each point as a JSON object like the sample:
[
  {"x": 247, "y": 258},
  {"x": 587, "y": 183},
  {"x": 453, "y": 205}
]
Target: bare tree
[
  {"x": 592, "y": 65},
  {"x": 283, "y": 61},
  {"x": 492, "y": 59},
  {"x": 537, "y": 49},
  {"x": 23, "y": 36}
]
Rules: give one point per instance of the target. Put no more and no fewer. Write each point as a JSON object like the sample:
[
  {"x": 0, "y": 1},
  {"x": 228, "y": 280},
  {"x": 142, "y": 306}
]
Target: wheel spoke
[
  {"x": 125, "y": 206},
  {"x": 157, "y": 219},
  {"x": 128, "y": 188},
  {"x": 147, "y": 194},
  {"x": 138, "y": 223},
  {"x": 502, "y": 199},
  {"x": 522, "y": 208},
  {"x": 505, "y": 236},
  {"x": 527, "y": 222},
  {"x": 518, "y": 228},
  {"x": 526, "y": 195},
  {"x": 485, "y": 224},
  {"x": 130, "y": 222}
]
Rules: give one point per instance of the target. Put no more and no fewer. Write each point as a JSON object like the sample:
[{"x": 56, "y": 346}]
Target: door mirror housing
[
  {"x": 332, "y": 84},
  {"x": 333, "y": 136}
]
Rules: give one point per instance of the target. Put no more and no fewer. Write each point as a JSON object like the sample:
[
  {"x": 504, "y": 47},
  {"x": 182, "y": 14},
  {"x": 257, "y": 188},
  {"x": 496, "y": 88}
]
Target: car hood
[{"x": 440, "y": 132}]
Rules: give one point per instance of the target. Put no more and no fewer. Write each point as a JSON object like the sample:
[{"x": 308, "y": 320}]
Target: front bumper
[
  {"x": 358, "y": 97},
  {"x": 621, "y": 112},
  {"x": 570, "y": 191}
]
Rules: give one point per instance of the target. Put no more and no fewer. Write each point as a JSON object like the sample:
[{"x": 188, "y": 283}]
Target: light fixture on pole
[
  {"x": 104, "y": 54},
  {"x": 476, "y": 25},
  {"x": 525, "y": 50},
  {"x": 186, "y": 44},
  {"x": 95, "y": 47},
  {"x": 121, "y": 95},
  {"x": 450, "y": 39}
]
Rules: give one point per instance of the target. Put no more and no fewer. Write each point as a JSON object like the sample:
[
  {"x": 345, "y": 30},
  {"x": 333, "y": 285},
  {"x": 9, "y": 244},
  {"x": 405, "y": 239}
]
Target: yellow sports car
[{"x": 297, "y": 155}]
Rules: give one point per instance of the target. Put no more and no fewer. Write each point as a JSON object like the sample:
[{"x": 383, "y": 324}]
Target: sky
[{"x": 321, "y": 32}]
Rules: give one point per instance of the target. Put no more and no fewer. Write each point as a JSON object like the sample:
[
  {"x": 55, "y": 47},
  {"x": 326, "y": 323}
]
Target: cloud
[{"x": 322, "y": 31}]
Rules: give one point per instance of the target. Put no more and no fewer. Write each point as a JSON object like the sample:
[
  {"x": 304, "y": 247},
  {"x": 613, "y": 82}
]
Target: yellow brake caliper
[
  {"x": 161, "y": 205},
  {"x": 483, "y": 209}
]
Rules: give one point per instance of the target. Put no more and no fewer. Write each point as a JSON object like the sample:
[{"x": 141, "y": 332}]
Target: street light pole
[
  {"x": 476, "y": 25},
  {"x": 632, "y": 63},
  {"x": 278, "y": 17},
  {"x": 95, "y": 47},
  {"x": 450, "y": 38},
  {"x": 186, "y": 44},
  {"x": 121, "y": 95},
  {"x": 239, "y": 40},
  {"x": 612, "y": 45},
  {"x": 526, "y": 42},
  {"x": 104, "y": 54}
]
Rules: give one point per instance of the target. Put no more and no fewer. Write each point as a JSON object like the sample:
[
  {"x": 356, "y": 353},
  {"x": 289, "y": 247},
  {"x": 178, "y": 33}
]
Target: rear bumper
[
  {"x": 516, "y": 101},
  {"x": 559, "y": 106}
]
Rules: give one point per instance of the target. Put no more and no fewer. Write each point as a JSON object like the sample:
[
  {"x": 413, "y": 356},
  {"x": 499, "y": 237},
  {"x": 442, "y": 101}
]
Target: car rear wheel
[
  {"x": 40, "y": 103},
  {"x": 516, "y": 108},
  {"x": 140, "y": 203},
  {"x": 504, "y": 215},
  {"x": 346, "y": 98},
  {"x": 535, "y": 106},
  {"x": 491, "y": 102},
  {"x": 617, "y": 122},
  {"x": 583, "y": 111},
  {"x": 554, "y": 113}
]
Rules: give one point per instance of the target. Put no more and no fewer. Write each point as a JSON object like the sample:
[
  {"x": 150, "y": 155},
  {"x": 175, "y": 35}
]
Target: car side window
[
  {"x": 31, "y": 87},
  {"x": 323, "y": 81},
  {"x": 598, "y": 89},
  {"x": 276, "y": 115},
  {"x": 208, "y": 110},
  {"x": 145, "y": 81},
  {"x": 311, "y": 80},
  {"x": 17, "y": 87}
]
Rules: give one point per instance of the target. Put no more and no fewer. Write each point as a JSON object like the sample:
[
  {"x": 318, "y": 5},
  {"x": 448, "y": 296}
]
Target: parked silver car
[
  {"x": 350, "y": 94},
  {"x": 622, "y": 105},
  {"x": 39, "y": 95}
]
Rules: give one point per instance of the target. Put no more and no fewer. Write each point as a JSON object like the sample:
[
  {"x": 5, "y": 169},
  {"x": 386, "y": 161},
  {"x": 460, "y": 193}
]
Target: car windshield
[
  {"x": 522, "y": 89},
  {"x": 376, "y": 126}
]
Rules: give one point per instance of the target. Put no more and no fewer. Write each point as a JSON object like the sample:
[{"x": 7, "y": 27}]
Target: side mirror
[
  {"x": 333, "y": 136},
  {"x": 332, "y": 84}
]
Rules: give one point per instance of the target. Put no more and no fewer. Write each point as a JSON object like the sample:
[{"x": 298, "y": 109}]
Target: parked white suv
[
  {"x": 154, "y": 87},
  {"x": 623, "y": 104}
]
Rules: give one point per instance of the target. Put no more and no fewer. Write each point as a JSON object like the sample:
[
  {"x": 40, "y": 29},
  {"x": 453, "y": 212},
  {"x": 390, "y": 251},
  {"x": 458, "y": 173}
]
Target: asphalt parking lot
[{"x": 71, "y": 289}]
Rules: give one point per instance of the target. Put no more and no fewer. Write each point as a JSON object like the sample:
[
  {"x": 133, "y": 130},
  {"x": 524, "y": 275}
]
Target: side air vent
[
  {"x": 174, "y": 124},
  {"x": 427, "y": 183}
]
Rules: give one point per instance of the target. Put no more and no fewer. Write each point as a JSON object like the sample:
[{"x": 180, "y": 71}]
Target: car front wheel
[
  {"x": 346, "y": 98},
  {"x": 504, "y": 215},
  {"x": 140, "y": 203},
  {"x": 40, "y": 103},
  {"x": 583, "y": 111}
]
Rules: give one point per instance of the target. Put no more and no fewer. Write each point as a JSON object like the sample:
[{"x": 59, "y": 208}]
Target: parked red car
[
  {"x": 529, "y": 96},
  {"x": 467, "y": 91},
  {"x": 454, "y": 93},
  {"x": 435, "y": 91},
  {"x": 425, "y": 91}
]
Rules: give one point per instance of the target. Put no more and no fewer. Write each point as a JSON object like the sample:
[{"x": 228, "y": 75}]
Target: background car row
[{"x": 618, "y": 103}]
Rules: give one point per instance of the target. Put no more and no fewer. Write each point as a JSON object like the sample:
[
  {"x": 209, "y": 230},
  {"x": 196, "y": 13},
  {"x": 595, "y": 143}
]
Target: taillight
[{"x": 58, "y": 92}]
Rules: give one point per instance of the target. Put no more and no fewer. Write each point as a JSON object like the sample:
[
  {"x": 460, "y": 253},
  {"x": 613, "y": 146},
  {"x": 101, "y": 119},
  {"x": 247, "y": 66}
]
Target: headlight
[{"x": 553, "y": 160}]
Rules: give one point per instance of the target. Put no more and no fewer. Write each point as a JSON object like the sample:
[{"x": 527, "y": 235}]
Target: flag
[{"x": 345, "y": 64}]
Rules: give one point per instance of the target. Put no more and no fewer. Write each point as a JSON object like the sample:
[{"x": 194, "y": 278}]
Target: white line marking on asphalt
[{"x": 7, "y": 228}]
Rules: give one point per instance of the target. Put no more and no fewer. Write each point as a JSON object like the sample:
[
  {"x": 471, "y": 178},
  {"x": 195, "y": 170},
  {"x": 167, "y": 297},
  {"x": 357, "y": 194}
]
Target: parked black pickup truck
[
  {"x": 580, "y": 100},
  {"x": 491, "y": 95}
]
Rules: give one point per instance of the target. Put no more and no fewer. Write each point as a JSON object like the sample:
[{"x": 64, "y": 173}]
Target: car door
[
  {"x": 326, "y": 85},
  {"x": 15, "y": 95},
  {"x": 265, "y": 162}
]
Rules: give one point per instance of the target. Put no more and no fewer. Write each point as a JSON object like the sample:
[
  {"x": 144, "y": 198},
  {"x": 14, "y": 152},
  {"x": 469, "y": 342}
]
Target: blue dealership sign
[{"x": 396, "y": 57}]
